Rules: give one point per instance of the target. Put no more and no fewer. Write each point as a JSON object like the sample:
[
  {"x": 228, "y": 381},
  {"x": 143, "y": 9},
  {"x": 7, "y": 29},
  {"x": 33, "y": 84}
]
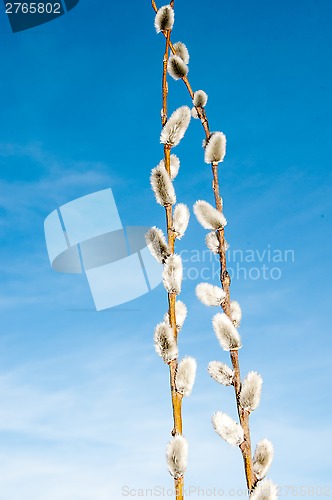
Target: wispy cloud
[
  {"x": 94, "y": 422},
  {"x": 60, "y": 181}
]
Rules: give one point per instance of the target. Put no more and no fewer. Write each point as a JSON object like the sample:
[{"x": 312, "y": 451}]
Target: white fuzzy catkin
[
  {"x": 181, "y": 217},
  {"x": 176, "y": 126},
  {"x": 210, "y": 295},
  {"x": 162, "y": 186},
  {"x": 176, "y": 67},
  {"x": 177, "y": 456},
  {"x": 226, "y": 332},
  {"x": 181, "y": 51},
  {"x": 185, "y": 375},
  {"x": 208, "y": 216},
  {"x": 174, "y": 164},
  {"x": 227, "y": 428},
  {"x": 265, "y": 490},
  {"x": 212, "y": 242},
  {"x": 164, "y": 19},
  {"x": 200, "y": 98},
  {"x": 180, "y": 314},
  {"x": 172, "y": 274},
  {"x": 221, "y": 373},
  {"x": 251, "y": 391},
  {"x": 194, "y": 113},
  {"x": 165, "y": 343},
  {"x": 236, "y": 313},
  {"x": 263, "y": 458},
  {"x": 157, "y": 244},
  {"x": 215, "y": 148}
]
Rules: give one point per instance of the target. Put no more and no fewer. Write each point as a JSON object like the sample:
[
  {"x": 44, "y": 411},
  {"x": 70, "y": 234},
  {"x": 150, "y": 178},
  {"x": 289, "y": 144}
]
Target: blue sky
[{"x": 84, "y": 399}]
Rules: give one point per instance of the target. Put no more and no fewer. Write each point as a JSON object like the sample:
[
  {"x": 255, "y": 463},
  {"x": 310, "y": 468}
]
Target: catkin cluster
[{"x": 225, "y": 323}]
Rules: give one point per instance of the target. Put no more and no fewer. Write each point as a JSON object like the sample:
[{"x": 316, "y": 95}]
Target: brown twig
[
  {"x": 245, "y": 447},
  {"x": 173, "y": 365}
]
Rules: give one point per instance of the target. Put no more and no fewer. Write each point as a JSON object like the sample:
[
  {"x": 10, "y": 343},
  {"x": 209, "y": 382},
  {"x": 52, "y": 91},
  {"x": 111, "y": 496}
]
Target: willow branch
[
  {"x": 176, "y": 397},
  {"x": 164, "y": 81},
  {"x": 245, "y": 447}
]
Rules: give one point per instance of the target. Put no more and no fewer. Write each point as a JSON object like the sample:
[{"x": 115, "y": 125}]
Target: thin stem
[
  {"x": 245, "y": 447},
  {"x": 154, "y": 6},
  {"x": 173, "y": 365},
  {"x": 164, "y": 81},
  {"x": 224, "y": 276},
  {"x": 179, "y": 488}
]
